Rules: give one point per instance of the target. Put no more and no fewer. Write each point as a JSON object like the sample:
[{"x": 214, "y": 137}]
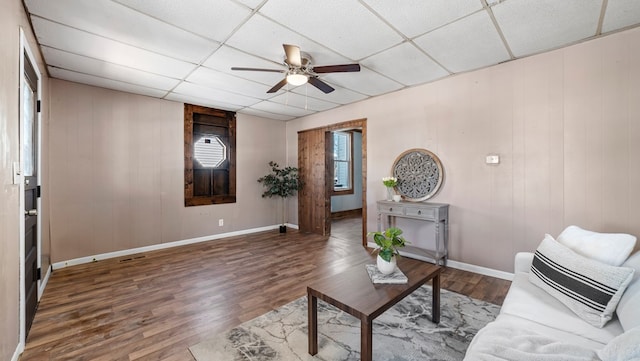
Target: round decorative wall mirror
[{"x": 420, "y": 174}]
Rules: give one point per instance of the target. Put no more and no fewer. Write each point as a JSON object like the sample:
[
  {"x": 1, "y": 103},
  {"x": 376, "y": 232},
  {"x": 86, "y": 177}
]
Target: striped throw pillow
[{"x": 589, "y": 288}]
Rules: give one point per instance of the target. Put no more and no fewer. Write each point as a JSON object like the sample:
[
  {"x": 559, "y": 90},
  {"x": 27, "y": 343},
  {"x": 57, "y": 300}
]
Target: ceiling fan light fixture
[{"x": 297, "y": 79}]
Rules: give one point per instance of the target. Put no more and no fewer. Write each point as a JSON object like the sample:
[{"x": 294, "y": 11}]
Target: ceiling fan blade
[
  {"x": 326, "y": 88},
  {"x": 293, "y": 55},
  {"x": 278, "y": 86},
  {"x": 336, "y": 68},
  {"x": 259, "y": 69}
]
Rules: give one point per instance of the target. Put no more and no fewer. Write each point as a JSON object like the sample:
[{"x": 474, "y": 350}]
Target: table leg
[
  {"x": 435, "y": 306},
  {"x": 313, "y": 324},
  {"x": 366, "y": 340}
]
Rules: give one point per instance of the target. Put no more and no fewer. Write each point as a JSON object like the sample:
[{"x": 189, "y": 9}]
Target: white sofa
[{"x": 533, "y": 325}]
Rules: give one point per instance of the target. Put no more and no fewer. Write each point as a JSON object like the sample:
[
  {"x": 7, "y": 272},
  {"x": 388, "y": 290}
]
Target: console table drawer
[
  {"x": 427, "y": 213},
  {"x": 398, "y": 210}
]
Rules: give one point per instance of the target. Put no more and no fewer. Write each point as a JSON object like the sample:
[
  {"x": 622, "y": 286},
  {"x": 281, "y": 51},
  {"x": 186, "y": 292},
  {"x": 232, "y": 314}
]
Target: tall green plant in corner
[{"x": 281, "y": 182}]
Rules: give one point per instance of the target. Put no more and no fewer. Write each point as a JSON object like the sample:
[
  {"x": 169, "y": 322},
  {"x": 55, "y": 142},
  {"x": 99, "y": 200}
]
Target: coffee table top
[{"x": 353, "y": 291}]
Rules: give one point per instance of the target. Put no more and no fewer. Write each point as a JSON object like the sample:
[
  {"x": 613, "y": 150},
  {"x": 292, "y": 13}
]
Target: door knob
[{"x": 31, "y": 212}]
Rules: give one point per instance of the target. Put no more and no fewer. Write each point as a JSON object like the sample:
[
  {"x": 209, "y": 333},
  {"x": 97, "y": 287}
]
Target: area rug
[{"x": 403, "y": 333}]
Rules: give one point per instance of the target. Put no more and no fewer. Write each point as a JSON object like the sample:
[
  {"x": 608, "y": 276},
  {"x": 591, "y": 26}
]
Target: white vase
[
  {"x": 386, "y": 267},
  {"x": 390, "y": 193}
]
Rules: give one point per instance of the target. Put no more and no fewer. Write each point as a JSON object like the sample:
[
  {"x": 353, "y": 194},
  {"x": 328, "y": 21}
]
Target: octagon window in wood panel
[{"x": 209, "y": 156}]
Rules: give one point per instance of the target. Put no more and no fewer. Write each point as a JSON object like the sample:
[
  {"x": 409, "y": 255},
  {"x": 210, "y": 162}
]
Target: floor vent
[{"x": 132, "y": 258}]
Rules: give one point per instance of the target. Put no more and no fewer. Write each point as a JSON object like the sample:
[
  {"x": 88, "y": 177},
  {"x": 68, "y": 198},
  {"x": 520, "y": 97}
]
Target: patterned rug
[{"x": 403, "y": 333}]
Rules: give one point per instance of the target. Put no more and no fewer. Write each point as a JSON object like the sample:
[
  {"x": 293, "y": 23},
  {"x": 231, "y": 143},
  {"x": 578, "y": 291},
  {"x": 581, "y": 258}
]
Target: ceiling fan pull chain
[{"x": 306, "y": 95}]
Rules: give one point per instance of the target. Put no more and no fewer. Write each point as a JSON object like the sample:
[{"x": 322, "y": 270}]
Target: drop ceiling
[{"x": 184, "y": 50}]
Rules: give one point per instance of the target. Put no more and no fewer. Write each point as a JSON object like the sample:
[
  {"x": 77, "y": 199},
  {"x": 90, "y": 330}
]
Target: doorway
[
  {"x": 30, "y": 141},
  {"x": 315, "y": 160}
]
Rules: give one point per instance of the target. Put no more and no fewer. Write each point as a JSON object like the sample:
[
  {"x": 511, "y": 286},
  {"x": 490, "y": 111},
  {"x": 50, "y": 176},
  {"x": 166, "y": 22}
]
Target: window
[
  {"x": 209, "y": 156},
  {"x": 343, "y": 163}
]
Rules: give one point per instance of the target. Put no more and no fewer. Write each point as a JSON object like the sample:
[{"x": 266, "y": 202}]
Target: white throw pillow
[
  {"x": 610, "y": 248},
  {"x": 625, "y": 347},
  {"x": 629, "y": 307},
  {"x": 589, "y": 288}
]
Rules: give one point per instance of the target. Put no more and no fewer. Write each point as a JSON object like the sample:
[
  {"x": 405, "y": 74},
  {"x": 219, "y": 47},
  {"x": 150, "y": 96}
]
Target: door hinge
[
  {"x": 38, "y": 106},
  {"x": 39, "y": 274},
  {"x": 38, "y": 192}
]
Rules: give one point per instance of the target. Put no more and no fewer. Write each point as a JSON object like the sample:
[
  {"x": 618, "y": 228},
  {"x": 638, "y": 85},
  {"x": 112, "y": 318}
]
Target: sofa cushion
[
  {"x": 610, "y": 248},
  {"x": 530, "y": 302},
  {"x": 622, "y": 348},
  {"x": 589, "y": 288},
  {"x": 629, "y": 307},
  {"x": 511, "y": 338}
]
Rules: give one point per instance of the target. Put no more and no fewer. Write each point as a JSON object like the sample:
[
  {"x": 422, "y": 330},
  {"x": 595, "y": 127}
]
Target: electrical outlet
[{"x": 220, "y": 222}]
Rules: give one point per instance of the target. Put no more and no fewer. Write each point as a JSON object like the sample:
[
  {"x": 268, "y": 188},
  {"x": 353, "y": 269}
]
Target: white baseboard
[
  {"x": 155, "y": 247},
  {"x": 44, "y": 282},
  {"x": 462, "y": 266},
  {"x": 18, "y": 352},
  {"x": 450, "y": 263},
  {"x": 480, "y": 270}
]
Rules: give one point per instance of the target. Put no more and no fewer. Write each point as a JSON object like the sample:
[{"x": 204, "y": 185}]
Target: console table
[{"x": 438, "y": 213}]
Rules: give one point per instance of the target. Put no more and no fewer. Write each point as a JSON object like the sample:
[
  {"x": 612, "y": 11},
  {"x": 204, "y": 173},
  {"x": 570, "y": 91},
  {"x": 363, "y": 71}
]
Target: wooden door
[{"x": 314, "y": 207}]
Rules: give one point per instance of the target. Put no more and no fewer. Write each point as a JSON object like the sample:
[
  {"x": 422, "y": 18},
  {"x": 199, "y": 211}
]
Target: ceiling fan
[{"x": 300, "y": 70}]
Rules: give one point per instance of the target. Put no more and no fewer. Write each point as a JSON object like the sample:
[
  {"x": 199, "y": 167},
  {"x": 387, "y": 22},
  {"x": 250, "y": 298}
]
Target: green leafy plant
[
  {"x": 281, "y": 182},
  {"x": 388, "y": 242}
]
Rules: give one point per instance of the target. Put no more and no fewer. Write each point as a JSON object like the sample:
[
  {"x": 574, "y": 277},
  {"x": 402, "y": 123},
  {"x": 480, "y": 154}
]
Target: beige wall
[
  {"x": 566, "y": 125},
  {"x": 12, "y": 17},
  {"x": 117, "y": 173}
]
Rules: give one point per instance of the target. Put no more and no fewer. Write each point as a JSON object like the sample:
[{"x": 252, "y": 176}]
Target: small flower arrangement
[{"x": 390, "y": 182}]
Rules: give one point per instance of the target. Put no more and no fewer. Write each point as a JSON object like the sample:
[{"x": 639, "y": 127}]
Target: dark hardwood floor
[{"x": 153, "y": 306}]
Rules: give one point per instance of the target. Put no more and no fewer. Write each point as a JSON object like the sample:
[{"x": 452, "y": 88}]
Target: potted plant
[
  {"x": 281, "y": 182},
  {"x": 387, "y": 244}
]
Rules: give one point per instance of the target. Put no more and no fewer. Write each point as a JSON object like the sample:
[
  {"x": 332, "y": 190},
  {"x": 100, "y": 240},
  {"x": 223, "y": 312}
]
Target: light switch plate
[
  {"x": 492, "y": 159},
  {"x": 17, "y": 173}
]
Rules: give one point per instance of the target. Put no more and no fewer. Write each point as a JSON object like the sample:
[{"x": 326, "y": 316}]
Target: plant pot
[
  {"x": 386, "y": 267},
  {"x": 283, "y": 229}
]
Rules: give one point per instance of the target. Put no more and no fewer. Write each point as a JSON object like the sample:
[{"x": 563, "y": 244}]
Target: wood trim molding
[{"x": 356, "y": 124}]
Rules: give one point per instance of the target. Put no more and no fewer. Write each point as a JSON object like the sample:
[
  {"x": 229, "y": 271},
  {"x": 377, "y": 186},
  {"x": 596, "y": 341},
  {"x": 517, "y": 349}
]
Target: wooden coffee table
[{"x": 353, "y": 292}]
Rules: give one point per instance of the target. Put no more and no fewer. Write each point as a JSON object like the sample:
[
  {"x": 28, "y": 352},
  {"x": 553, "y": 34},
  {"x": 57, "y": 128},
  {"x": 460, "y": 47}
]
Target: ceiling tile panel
[
  {"x": 345, "y": 26},
  {"x": 99, "y": 68},
  {"x": 132, "y": 27},
  {"x": 278, "y": 108},
  {"x": 218, "y": 80},
  {"x": 620, "y": 14},
  {"x": 264, "y": 38},
  {"x": 303, "y": 102},
  {"x": 339, "y": 95},
  {"x": 104, "y": 83},
  {"x": 534, "y": 26},
  {"x": 226, "y": 57},
  {"x": 212, "y": 19},
  {"x": 416, "y": 17},
  {"x": 406, "y": 64},
  {"x": 214, "y": 94},
  {"x": 79, "y": 42},
  {"x": 205, "y": 102},
  {"x": 366, "y": 82},
  {"x": 263, "y": 114},
  {"x": 467, "y": 44}
]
